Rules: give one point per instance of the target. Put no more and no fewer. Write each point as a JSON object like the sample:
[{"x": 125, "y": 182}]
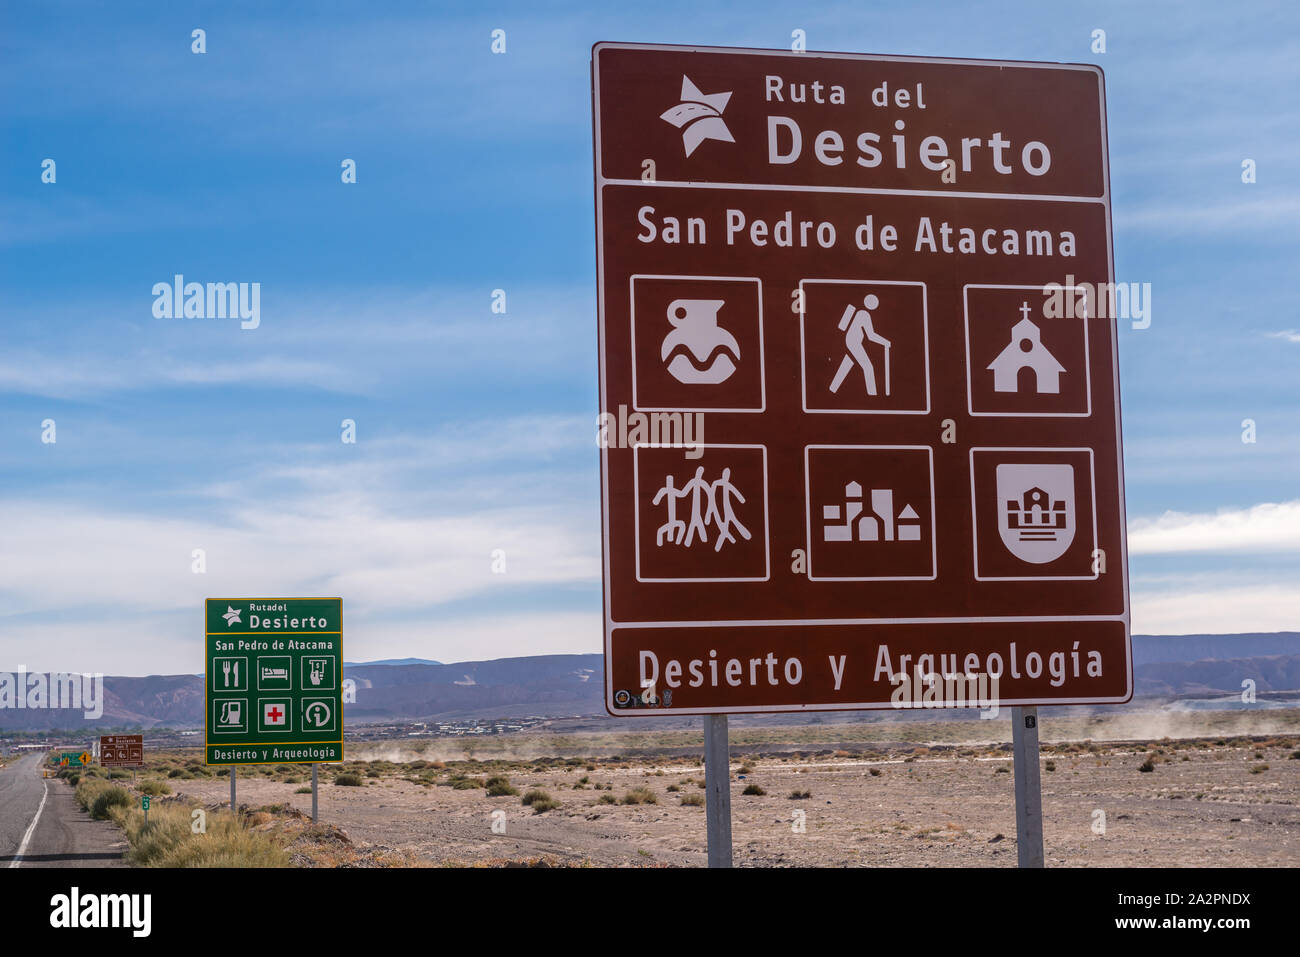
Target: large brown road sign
[{"x": 858, "y": 384}]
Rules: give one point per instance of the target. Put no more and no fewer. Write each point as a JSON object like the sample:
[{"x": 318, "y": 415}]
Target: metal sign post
[
  {"x": 315, "y": 786},
  {"x": 233, "y": 805},
  {"x": 1029, "y": 792},
  {"x": 717, "y": 789}
]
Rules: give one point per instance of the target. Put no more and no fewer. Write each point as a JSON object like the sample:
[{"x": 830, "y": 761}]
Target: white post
[
  {"x": 1029, "y": 791},
  {"x": 717, "y": 789},
  {"x": 233, "y": 805},
  {"x": 314, "y": 785}
]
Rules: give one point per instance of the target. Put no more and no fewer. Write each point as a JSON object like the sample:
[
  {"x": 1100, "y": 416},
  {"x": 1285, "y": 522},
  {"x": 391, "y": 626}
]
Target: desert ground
[{"x": 1219, "y": 789}]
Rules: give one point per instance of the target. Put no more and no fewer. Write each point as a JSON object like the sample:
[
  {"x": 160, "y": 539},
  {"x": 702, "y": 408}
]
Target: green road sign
[
  {"x": 273, "y": 680},
  {"x": 144, "y": 802},
  {"x": 74, "y": 759}
]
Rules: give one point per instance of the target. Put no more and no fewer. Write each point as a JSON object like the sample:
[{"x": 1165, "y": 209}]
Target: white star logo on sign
[
  {"x": 699, "y": 116},
  {"x": 231, "y": 616}
]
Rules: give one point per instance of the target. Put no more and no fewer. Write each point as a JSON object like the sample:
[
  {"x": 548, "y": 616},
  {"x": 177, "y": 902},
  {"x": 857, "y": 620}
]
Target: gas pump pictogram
[{"x": 230, "y": 716}]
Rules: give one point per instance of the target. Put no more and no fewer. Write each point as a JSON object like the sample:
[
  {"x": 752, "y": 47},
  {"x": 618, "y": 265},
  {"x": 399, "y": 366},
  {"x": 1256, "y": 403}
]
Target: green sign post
[{"x": 273, "y": 680}]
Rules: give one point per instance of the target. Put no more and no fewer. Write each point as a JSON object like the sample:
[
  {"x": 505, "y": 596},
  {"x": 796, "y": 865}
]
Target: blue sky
[{"x": 475, "y": 431}]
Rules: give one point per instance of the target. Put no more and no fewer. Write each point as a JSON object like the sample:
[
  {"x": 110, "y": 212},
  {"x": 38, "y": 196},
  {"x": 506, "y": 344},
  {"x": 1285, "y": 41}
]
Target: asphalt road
[{"x": 42, "y": 826}]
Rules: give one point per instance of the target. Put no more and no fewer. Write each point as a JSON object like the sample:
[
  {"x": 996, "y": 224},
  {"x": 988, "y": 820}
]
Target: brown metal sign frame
[{"x": 647, "y": 614}]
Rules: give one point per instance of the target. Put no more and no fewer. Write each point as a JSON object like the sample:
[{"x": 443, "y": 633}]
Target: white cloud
[
  {"x": 355, "y": 341},
  {"x": 107, "y": 644},
  {"x": 510, "y": 443},
  {"x": 480, "y": 638},
  {"x": 378, "y": 68},
  {"x": 171, "y": 643},
  {"x": 77, "y": 376},
  {"x": 59, "y": 558},
  {"x": 114, "y": 592},
  {"x": 1212, "y": 461},
  {"x": 1289, "y": 335},
  {"x": 1245, "y": 216},
  {"x": 1217, "y": 600},
  {"x": 406, "y": 534},
  {"x": 1270, "y": 527},
  {"x": 1217, "y": 610},
  {"x": 95, "y": 589}
]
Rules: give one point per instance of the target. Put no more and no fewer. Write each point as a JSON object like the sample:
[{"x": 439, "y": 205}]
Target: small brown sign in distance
[{"x": 121, "y": 750}]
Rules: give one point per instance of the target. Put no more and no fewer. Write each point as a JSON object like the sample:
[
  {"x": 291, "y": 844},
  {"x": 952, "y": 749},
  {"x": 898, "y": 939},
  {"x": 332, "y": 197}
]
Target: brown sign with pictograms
[
  {"x": 859, "y": 388},
  {"x": 121, "y": 750}
]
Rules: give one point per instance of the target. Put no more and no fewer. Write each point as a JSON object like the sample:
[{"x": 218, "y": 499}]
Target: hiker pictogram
[
  {"x": 864, "y": 346},
  {"x": 858, "y": 330}
]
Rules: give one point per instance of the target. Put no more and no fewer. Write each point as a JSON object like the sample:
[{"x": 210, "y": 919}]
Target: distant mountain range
[
  {"x": 393, "y": 661},
  {"x": 1168, "y": 665},
  {"x": 559, "y": 685},
  {"x": 1154, "y": 649}
]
